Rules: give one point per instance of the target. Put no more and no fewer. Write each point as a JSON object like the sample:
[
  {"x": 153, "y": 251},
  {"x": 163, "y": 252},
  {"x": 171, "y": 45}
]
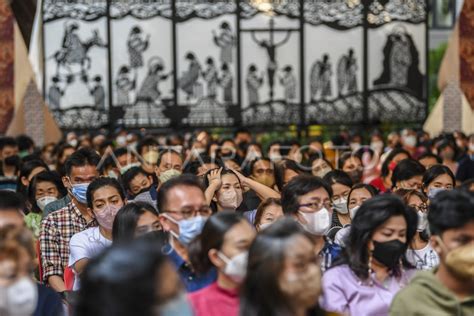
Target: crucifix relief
[{"x": 271, "y": 45}]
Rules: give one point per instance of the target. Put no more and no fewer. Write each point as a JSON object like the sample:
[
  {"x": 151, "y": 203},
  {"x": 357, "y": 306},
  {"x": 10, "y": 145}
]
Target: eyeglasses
[
  {"x": 188, "y": 213},
  {"x": 316, "y": 206}
]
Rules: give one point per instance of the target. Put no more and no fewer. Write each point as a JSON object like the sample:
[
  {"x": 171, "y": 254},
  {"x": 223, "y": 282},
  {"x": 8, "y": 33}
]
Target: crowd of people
[{"x": 137, "y": 224}]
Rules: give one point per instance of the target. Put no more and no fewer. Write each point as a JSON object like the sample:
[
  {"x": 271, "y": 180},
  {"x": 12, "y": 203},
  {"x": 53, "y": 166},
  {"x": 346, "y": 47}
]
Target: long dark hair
[
  {"x": 435, "y": 171},
  {"x": 211, "y": 237},
  {"x": 371, "y": 215},
  {"x": 25, "y": 171},
  {"x": 260, "y": 293},
  {"x": 127, "y": 218}
]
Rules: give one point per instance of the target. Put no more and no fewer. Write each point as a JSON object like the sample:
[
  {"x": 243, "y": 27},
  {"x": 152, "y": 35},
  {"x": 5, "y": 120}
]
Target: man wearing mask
[
  {"x": 183, "y": 212},
  {"x": 448, "y": 289},
  {"x": 308, "y": 200},
  {"x": 59, "y": 226},
  {"x": 169, "y": 165}
]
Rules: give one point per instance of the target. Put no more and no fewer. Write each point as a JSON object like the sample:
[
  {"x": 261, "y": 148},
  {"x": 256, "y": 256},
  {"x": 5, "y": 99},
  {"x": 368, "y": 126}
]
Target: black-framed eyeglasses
[{"x": 204, "y": 210}]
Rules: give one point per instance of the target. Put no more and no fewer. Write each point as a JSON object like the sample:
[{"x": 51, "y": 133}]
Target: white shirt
[
  {"x": 423, "y": 259},
  {"x": 86, "y": 244}
]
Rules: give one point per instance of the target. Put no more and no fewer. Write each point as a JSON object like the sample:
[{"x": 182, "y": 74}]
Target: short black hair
[
  {"x": 386, "y": 163},
  {"x": 8, "y": 142},
  {"x": 130, "y": 174},
  {"x": 25, "y": 142},
  {"x": 429, "y": 154},
  {"x": 242, "y": 130},
  {"x": 119, "y": 152},
  {"x": 102, "y": 182},
  {"x": 25, "y": 171},
  {"x": 10, "y": 200},
  {"x": 252, "y": 163},
  {"x": 164, "y": 152},
  {"x": 407, "y": 169},
  {"x": 338, "y": 176},
  {"x": 186, "y": 180},
  {"x": 146, "y": 142},
  {"x": 280, "y": 168},
  {"x": 193, "y": 166},
  {"x": 298, "y": 186},
  {"x": 80, "y": 158},
  {"x": 450, "y": 210}
]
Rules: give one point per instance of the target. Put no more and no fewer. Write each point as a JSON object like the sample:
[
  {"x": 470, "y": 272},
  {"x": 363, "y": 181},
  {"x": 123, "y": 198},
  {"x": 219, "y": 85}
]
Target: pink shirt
[{"x": 214, "y": 300}]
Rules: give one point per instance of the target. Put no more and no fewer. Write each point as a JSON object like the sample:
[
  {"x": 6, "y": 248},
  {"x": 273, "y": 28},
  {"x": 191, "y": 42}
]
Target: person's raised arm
[
  {"x": 261, "y": 190},
  {"x": 215, "y": 182}
]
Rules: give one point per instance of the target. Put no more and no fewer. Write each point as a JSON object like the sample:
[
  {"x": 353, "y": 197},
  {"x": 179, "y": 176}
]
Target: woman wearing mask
[
  {"x": 320, "y": 166},
  {"x": 420, "y": 253},
  {"x": 223, "y": 244},
  {"x": 384, "y": 182},
  {"x": 436, "y": 179},
  {"x": 283, "y": 277},
  {"x": 373, "y": 267},
  {"x": 117, "y": 284},
  {"x": 351, "y": 164},
  {"x": 45, "y": 187},
  {"x": 105, "y": 197},
  {"x": 27, "y": 171},
  {"x": 341, "y": 185},
  {"x": 224, "y": 189},
  {"x": 448, "y": 151},
  {"x": 358, "y": 195},
  {"x": 134, "y": 220},
  {"x": 268, "y": 212},
  {"x": 20, "y": 294}
]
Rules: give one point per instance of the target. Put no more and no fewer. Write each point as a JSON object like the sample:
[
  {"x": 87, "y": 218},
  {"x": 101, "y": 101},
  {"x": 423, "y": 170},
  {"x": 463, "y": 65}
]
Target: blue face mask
[
  {"x": 434, "y": 191},
  {"x": 188, "y": 228},
  {"x": 79, "y": 191}
]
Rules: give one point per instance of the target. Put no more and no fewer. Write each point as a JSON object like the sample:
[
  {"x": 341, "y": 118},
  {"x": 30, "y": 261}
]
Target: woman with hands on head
[{"x": 224, "y": 189}]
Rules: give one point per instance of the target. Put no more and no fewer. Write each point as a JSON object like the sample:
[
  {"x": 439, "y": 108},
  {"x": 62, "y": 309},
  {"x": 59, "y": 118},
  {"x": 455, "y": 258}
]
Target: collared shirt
[
  {"x": 329, "y": 254},
  {"x": 56, "y": 205},
  {"x": 191, "y": 280},
  {"x": 56, "y": 231},
  {"x": 345, "y": 293}
]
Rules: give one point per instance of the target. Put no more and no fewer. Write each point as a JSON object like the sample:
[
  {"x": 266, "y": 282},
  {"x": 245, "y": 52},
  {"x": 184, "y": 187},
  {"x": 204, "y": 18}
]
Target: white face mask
[
  {"x": 340, "y": 206},
  {"x": 317, "y": 223},
  {"x": 264, "y": 225},
  {"x": 422, "y": 221},
  {"x": 168, "y": 175},
  {"x": 230, "y": 199},
  {"x": 45, "y": 200},
  {"x": 410, "y": 141},
  {"x": 376, "y": 146},
  {"x": 353, "y": 211},
  {"x": 19, "y": 298},
  {"x": 236, "y": 267}
]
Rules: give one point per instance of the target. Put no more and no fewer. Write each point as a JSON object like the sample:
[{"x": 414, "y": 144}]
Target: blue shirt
[
  {"x": 329, "y": 254},
  {"x": 191, "y": 280}
]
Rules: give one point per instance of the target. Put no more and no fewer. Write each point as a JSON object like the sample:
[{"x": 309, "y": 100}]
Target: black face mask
[
  {"x": 389, "y": 253},
  {"x": 356, "y": 175},
  {"x": 12, "y": 160}
]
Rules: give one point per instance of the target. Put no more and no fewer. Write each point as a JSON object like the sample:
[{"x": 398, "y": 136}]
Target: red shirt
[
  {"x": 378, "y": 183},
  {"x": 215, "y": 301}
]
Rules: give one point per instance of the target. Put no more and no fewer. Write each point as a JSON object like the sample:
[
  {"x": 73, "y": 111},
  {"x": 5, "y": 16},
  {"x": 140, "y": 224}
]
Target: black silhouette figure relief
[
  {"x": 401, "y": 63},
  {"x": 55, "y": 93},
  {"x": 97, "y": 91},
  {"x": 189, "y": 80},
  {"x": 124, "y": 85},
  {"x": 137, "y": 44},
  {"x": 149, "y": 91},
  {"x": 74, "y": 51},
  {"x": 211, "y": 78},
  {"x": 226, "y": 81},
  {"x": 254, "y": 83},
  {"x": 320, "y": 79},
  {"x": 347, "y": 74},
  {"x": 226, "y": 41},
  {"x": 270, "y": 45},
  {"x": 288, "y": 81}
]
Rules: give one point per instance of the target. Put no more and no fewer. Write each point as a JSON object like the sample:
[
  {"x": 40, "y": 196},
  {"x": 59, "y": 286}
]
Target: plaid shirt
[{"x": 56, "y": 231}]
